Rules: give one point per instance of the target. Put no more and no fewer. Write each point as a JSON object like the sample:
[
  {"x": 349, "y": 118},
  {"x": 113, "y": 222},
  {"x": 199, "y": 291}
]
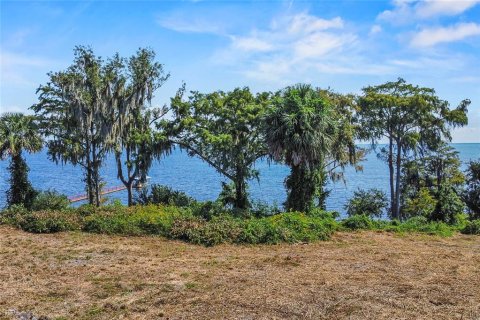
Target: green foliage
[
  {"x": 472, "y": 227},
  {"x": 208, "y": 209},
  {"x": 19, "y": 133},
  {"x": 224, "y": 129},
  {"x": 13, "y": 215},
  {"x": 367, "y": 202},
  {"x": 471, "y": 195},
  {"x": 21, "y": 191},
  {"x": 165, "y": 195},
  {"x": 310, "y": 131},
  {"x": 449, "y": 204},
  {"x": 423, "y": 204},
  {"x": 218, "y": 230},
  {"x": 411, "y": 118},
  {"x": 50, "y": 200},
  {"x": 136, "y": 142},
  {"x": 417, "y": 224},
  {"x": 422, "y": 225},
  {"x": 49, "y": 221},
  {"x": 358, "y": 222},
  {"x": 287, "y": 227}
]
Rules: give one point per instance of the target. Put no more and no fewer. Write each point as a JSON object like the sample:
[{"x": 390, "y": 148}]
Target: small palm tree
[
  {"x": 300, "y": 131},
  {"x": 19, "y": 133}
]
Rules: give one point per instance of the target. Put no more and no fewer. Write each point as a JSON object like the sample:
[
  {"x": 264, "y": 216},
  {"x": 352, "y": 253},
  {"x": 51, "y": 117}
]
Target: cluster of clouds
[
  {"x": 407, "y": 12},
  {"x": 303, "y": 43}
]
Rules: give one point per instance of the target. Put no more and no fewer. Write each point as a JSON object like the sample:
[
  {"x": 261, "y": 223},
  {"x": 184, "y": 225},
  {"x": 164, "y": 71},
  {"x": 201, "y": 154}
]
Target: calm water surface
[{"x": 202, "y": 182}]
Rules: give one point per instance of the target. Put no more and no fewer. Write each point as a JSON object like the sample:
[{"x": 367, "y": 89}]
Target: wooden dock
[{"x": 81, "y": 197}]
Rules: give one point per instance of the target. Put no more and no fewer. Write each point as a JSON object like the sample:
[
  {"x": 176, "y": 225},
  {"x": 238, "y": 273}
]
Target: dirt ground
[{"x": 353, "y": 276}]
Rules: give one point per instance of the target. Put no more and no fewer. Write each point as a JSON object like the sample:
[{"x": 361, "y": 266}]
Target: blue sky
[{"x": 266, "y": 45}]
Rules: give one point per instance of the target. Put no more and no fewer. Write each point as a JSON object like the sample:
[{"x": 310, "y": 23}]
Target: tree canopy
[
  {"x": 310, "y": 131},
  {"x": 19, "y": 133},
  {"x": 409, "y": 117},
  {"x": 225, "y": 130}
]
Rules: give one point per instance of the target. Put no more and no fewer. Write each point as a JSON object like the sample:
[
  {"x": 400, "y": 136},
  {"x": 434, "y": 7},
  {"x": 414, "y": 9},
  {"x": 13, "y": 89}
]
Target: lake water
[{"x": 202, "y": 182}]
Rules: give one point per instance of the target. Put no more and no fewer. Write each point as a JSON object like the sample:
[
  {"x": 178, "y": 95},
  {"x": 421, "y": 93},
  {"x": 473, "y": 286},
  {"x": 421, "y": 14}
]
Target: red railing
[{"x": 81, "y": 197}]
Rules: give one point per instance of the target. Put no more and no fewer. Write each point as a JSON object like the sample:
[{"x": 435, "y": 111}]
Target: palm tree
[
  {"x": 19, "y": 133},
  {"x": 299, "y": 132}
]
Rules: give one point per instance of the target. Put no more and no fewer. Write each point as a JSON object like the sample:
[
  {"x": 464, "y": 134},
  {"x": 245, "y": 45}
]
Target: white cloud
[
  {"x": 192, "y": 25},
  {"x": 432, "y": 36},
  {"x": 405, "y": 11},
  {"x": 304, "y": 23},
  {"x": 375, "y": 29},
  {"x": 252, "y": 43},
  {"x": 431, "y": 8},
  {"x": 292, "y": 44}
]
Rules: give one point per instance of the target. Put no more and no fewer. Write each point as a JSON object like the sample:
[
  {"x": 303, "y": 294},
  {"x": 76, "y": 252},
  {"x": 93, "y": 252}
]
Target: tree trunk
[
  {"x": 397, "y": 180},
  {"x": 89, "y": 176},
  {"x": 240, "y": 193},
  {"x": 96, "y": 175},
  {"x": 129, "y": 193},
  {"x": 391, "y": 172}
]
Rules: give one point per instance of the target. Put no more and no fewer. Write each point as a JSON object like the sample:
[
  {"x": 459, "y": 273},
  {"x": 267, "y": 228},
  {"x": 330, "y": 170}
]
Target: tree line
[{"x": 98, "y": 107}]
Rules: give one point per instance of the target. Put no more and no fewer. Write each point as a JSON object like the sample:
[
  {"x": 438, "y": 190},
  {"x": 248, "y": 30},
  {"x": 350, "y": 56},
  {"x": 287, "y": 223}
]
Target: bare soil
[{"x": 353, "y": 276}]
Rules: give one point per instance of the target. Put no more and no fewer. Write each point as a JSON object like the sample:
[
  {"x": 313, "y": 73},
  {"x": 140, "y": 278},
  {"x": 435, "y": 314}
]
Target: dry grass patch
[{"x": 354, "y": 276}]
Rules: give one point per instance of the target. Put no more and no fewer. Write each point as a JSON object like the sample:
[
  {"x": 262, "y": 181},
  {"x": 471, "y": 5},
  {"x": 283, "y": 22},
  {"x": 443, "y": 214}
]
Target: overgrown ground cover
[
  {"x": 201, "y": 225},
  {"x": 354, "y": 275}
]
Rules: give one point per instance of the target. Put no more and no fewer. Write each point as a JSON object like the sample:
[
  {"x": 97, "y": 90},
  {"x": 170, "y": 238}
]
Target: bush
[
  {"x": 287, "y": 227},
  {"x": 323, "y": 214},
  {"x": 471, "y": 195},
  {"x": 423, "y": 204},
  {"x": 371, "y": 203},
  {"x": 261, "y": 209},
  {"x": 49, "y": 221},
  {"x": 472, "y": 227},
  {"x": 50, "y": 200},
  {"x": 199, "y": 231},
  {"x": 358, "y": 222},
  {"x": 13, "y": 215},
  {"x": 208, "y": 210},
  {"x": 165, "y": 195},
  {"x": 449, "y": 204},
  {"x": 422, "y": 225}
]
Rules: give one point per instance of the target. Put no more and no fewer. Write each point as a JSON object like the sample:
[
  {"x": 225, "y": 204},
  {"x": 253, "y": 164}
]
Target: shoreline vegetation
[{"x": 99, "y": 107}]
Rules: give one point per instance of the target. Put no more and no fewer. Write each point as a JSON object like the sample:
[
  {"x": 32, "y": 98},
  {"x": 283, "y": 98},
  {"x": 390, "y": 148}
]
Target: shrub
[
  {"x": 471, "y": 195},
  {"x": 208, "y": 210},
  {"x": 49, "y": 221},
  {"x": 449, "y": 204},
  {"x": 358, "y": 222},
  {"x": 422, "y": 225},
  {"x": 157, "y": 220},
  {"x": 262, "y": 209},
  {"x": 110, "y": 223},
  {"x": 472, "y": 227},
  {"x": 13, "y": 215},
  {"x": 199, "y": 231},
  {"x": 323, "y": 214},
  {"x": 423, "y": 204},
  {"x": 287, "y": 227},
  {"x": 165, "y": 195},
  {"x": 50, "y": 200},
  {"x": 367, "y": 202}
]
